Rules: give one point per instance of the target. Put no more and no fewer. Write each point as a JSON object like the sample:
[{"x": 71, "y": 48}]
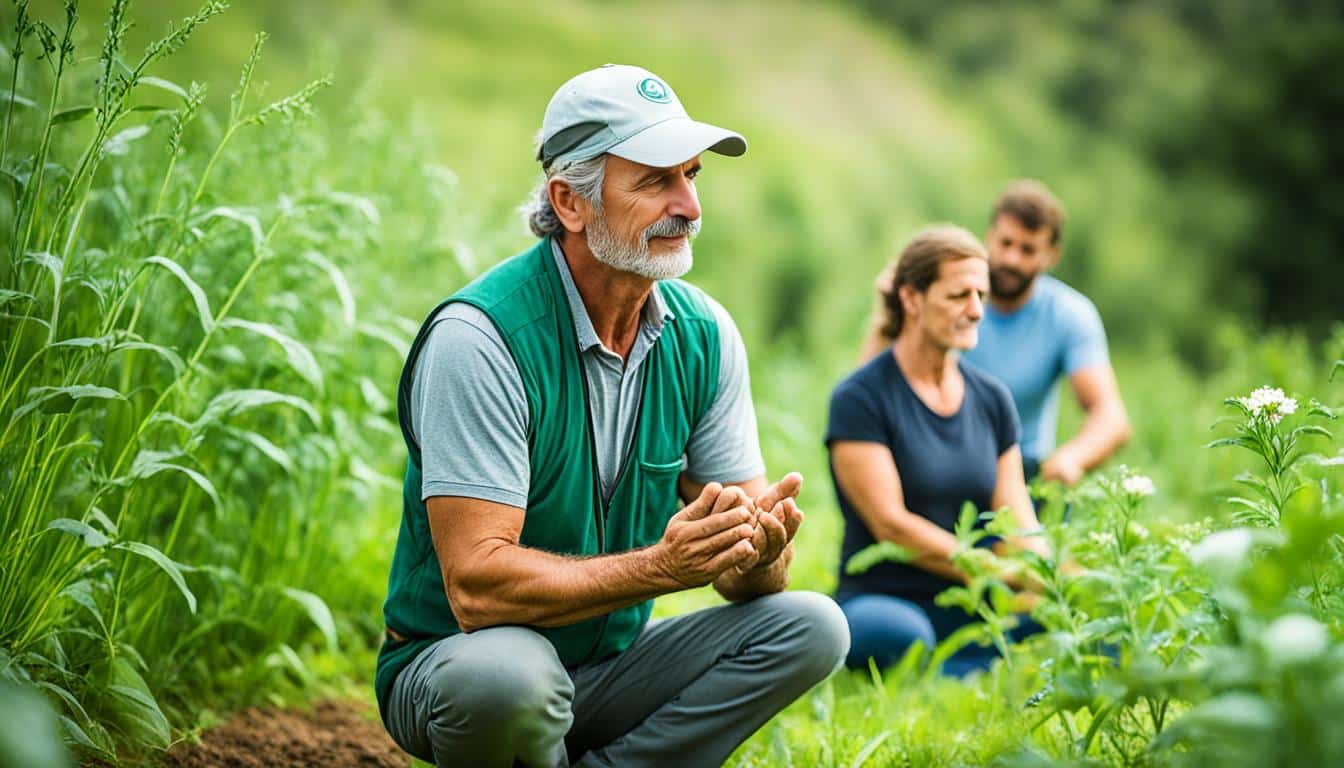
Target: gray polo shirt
[{"x": 468, "y": 409}]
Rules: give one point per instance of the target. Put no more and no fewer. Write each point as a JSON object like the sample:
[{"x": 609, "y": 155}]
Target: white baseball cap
[{"x": 631, "y": 113}]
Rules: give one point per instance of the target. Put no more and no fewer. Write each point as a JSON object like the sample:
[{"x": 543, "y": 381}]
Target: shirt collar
[{"x": 652, "y": 315}]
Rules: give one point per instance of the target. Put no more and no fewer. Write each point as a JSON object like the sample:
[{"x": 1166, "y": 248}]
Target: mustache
[{"x": 673, "y": 226}]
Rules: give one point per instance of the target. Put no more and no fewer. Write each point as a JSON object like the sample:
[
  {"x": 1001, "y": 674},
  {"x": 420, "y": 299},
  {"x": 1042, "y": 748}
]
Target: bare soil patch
[{"x": 335, "y": 734}]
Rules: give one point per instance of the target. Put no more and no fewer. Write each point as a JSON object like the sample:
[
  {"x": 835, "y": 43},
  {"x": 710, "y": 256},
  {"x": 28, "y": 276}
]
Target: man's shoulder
[
  {"x": 1065, "y": 302},
  {"x": 690, "y": 302}
]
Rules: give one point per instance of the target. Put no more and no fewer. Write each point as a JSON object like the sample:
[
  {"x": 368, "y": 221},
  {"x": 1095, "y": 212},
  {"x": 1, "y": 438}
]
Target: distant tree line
[{"x": 1239, "y": 100}]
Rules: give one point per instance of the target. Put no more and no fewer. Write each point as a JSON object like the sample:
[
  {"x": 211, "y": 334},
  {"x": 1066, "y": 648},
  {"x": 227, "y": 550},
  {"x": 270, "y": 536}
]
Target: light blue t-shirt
[{"x": 1058, "y": 331}]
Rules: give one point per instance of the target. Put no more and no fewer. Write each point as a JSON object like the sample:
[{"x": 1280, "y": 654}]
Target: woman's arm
[
  {"x": 868, "y": 477},
  {"x": 1010, "y": 490}
]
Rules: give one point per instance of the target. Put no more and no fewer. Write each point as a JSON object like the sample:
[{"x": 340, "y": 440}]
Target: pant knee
[
  {"x": 883, "y": 629},
  {"x": 819, "y": 638},
  {"x": 507, "y": 682}
]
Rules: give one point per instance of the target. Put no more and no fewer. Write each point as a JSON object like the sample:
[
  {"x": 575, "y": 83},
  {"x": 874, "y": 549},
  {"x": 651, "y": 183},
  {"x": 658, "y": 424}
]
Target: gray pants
[{"x": 687, "y": 692}]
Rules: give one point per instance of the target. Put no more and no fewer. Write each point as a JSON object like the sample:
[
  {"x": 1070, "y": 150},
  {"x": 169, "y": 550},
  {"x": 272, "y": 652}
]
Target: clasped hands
[{"x": 724, "y": 528}]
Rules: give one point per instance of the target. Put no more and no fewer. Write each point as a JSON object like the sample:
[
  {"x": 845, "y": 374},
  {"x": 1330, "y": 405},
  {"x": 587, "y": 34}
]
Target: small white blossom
[
  {"x": 1271, "y": 403},
  {"x": 1183, "y": 545},
  {"x": 1295, "y": 638},
  {"x": 1138, "y": 485},
  {"x": 1224, "y": 553},
  {"x": 1138, "y": 531},
  {"x": 1102, "y": 538}
]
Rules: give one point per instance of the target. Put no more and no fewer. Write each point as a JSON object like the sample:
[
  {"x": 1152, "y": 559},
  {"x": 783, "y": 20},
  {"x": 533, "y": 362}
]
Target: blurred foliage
[{"x": 1236, "y": 104}]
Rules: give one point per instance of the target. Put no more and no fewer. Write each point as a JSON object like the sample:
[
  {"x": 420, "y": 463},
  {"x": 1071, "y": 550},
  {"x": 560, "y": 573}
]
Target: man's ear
[
  {"x": 569, "y": 207},
  {"x": 1052, "y": 256}
]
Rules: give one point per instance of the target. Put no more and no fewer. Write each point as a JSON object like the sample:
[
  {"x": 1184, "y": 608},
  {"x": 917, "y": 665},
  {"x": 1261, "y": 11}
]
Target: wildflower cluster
[{"x": 1269, "y": 403}]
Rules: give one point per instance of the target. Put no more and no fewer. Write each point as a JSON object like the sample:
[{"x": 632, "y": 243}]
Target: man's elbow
[{"x": 470, "y": 608}]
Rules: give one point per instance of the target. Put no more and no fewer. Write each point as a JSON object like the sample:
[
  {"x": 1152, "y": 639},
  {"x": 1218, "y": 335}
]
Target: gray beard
[{"x": 635, "y": 257}]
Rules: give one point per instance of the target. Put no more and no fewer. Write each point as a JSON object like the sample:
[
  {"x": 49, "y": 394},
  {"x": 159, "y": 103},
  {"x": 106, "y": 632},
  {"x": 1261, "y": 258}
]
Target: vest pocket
[{"x": 658, "y": 481}]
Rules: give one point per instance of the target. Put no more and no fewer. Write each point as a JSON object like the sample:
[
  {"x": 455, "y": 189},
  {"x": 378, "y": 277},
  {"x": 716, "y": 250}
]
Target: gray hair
[{"x": 584, "y": 177}]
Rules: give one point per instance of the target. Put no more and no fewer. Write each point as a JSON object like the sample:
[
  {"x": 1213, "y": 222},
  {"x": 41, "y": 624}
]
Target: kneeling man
[{"x": 556, "y": 410}]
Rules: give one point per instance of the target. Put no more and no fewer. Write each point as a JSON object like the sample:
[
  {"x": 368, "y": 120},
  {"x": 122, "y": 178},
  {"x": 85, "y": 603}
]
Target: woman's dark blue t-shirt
[{"x": 943, "y": 461}]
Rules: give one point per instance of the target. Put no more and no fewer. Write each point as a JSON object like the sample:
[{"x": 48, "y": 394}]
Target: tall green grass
[{"x": 196, "y": 434}]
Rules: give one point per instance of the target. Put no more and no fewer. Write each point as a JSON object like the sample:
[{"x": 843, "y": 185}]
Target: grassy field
[{"x": 209, "y": 290}]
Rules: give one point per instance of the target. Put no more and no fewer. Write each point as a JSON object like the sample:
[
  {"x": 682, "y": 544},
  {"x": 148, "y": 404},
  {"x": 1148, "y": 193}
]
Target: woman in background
[{"x": 914, "y": 434}]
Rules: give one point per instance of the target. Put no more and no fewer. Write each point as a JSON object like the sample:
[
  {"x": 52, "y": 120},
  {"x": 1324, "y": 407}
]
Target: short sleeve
[
  {"x": 1085, "y": 337},
  {"x": 855, "y": 415},
  {"x": 725, "y": 446},
  {"x": 469, "y": 412},
  {"x": 1007, "y": 424}
]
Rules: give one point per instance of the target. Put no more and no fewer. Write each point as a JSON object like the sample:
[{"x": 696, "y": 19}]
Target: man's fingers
[
  {"x": 787, "y": 488},
  {"x": 708, "y": 526},
  {"x": 729, "y": 497},
  {"x": 722, "y": 540},
  {"x": 701, "y": 505},
  {"x": 791, "y": 516},
  {"x": 737, "y": 555}
]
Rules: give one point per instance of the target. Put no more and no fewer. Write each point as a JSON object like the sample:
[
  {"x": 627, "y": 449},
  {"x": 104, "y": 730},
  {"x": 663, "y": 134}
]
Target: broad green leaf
[
  {"x": 120, "y": 144},
  {"x": 269, "y": 449},
  {"x": 165, "y": 563},
  {"x": 299, "y": 356},
  {"x": 7, "y": 296},
  {"x": 235, "y": 401},
  {"x": 338, "y": 281},
  {"x": 83, "y": 531},
  {"x": 143, "y": 468},
  {"x": 233, "y": 214},
  {"x": 71, "y": 115},
  {"x": 317, "y": 610},
  {"x": 85, "y": 342},
  {"x": 197, "y": 293},
  {"x": 62, "y": 399},
  {"x": 100, "y": 517},
  {"x": 49, "y": 261},
  {"x": 19, "y": 99},
  {"x": 168, "y": 355},
  {"x": 398, "y": 344},
  {"x": 363, "y": 205},
  {"x": 873, "y": 554},
  {"x": 165, "y": 85},
  {"x": 81, "y": 592},
  {"x": 136, "y": 710}
]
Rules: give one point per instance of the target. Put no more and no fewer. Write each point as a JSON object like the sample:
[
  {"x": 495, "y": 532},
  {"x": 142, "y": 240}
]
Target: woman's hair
[{"x": 918, "y": 266}]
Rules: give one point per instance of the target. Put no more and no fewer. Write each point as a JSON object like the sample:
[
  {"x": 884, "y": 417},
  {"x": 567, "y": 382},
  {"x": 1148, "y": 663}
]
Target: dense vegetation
[{"x": 210, "y": 281}]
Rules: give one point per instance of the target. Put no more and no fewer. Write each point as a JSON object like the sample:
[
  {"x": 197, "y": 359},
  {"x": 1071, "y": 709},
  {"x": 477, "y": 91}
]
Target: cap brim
[{"x": 673, "y": 142}]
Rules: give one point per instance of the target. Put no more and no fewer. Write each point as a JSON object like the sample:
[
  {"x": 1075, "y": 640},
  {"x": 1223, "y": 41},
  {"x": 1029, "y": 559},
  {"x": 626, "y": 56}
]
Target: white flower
[
  {"x": 1295, "y": 638},
  {"x": 1138, "y": 486},
  {"x": 1271, "y": 403},
  {"x": 1102, "y": 538},
  {"x": 1138, "y": 531},
  {"x": 1224, "y": 553}
]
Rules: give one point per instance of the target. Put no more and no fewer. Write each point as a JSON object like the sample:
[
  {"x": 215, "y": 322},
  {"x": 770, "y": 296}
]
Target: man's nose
[{"x": 684, "y": 202}]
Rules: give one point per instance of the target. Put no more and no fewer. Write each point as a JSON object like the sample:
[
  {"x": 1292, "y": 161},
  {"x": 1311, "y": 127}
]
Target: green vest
[{"x": 525, "y": 299}]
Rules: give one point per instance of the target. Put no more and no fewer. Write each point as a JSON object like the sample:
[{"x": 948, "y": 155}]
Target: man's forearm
[
  {"x": 736, "y": 587},
  {"x": 512, "y": 584},
  {"x": 1103, "y": 432}
]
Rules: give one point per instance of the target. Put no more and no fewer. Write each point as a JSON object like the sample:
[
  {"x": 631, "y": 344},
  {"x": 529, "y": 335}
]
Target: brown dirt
[{"x": 336, "y": 734}]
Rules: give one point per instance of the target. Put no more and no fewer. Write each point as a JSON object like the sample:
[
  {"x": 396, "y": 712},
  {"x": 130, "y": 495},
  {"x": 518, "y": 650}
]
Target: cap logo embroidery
[{"x": 653, "y": 89}]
